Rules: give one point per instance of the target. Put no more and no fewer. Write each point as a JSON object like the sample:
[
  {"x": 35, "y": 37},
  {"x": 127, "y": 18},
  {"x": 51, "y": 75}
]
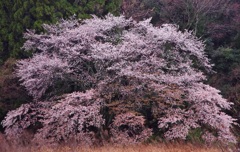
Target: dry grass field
[
  {"x": 139, "y": 148},
  {"x": 156, "y": 147}
]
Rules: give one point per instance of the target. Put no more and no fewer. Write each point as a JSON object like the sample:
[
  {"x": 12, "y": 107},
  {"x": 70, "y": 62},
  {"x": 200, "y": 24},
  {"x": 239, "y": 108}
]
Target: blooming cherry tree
[{"x": 118, "y": 63}]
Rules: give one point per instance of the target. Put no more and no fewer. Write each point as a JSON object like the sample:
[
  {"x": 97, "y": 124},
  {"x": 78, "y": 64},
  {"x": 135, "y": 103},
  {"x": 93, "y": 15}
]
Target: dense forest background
[{"x": 217, "y": 22}]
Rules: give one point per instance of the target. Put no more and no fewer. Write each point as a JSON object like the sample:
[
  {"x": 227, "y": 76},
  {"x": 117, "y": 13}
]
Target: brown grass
[
  {"x": 139, "y": 148},
  {"x": 136, "y": 148},
  {"x": 6, "y": 146}
]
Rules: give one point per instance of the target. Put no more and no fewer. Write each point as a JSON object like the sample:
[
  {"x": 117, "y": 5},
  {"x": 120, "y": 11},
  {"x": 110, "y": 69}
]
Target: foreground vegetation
[
  {"x": 141, "y": 148},
  {"x": 136, "y": 148},
  {"x": 7, "y": 146}
]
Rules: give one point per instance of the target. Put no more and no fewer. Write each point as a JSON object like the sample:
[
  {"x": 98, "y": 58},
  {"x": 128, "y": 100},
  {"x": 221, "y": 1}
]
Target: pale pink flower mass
[{"x": 91, "y": 55}]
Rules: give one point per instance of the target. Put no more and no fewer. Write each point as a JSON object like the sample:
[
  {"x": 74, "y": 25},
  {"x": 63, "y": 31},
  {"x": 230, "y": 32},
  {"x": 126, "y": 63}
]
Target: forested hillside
[{"x": 120, "y": 79}]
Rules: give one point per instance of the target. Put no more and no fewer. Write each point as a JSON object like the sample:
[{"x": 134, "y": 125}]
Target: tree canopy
[{"x": 141, "y": 76}]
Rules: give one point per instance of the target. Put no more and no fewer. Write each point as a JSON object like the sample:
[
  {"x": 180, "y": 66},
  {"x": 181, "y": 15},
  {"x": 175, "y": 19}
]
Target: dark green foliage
[
  {"x": 225, "y": 59},
  {"x": 98, "y": 7},
  {"x": 19, "y": 15}
]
